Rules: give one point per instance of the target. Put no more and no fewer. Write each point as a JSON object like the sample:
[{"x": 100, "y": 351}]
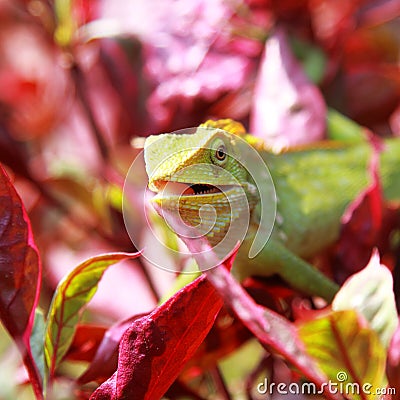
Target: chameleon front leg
[{"x": 299, "y": 274}]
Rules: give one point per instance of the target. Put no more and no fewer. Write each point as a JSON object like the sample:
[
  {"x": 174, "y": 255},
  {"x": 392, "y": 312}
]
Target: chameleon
[{"x": 313, "y": 185}]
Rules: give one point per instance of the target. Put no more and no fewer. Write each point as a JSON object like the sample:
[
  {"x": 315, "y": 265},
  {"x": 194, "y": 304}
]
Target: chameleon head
[{"x": 200, "y": 179}]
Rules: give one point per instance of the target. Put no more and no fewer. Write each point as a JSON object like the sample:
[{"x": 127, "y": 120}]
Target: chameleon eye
[{"x": 220, "y": 153}]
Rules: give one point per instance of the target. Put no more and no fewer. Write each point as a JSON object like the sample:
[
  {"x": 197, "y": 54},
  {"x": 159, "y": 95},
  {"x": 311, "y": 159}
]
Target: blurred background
[{"x": 80, "y": 79}]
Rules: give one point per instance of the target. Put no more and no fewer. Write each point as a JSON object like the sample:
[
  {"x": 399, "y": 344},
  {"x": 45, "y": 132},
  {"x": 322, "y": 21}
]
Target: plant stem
[
  {"x": 80, "y": 85},
  {"x": 219, "y": 381},
  {"x": 34, "y": 376}
]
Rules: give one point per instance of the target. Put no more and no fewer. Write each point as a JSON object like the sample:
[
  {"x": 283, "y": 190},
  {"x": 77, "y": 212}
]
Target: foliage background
[{"x": 79, "y": 79}]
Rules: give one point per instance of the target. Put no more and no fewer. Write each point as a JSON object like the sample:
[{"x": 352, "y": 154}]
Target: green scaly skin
[{"x": 313, "y": 187}]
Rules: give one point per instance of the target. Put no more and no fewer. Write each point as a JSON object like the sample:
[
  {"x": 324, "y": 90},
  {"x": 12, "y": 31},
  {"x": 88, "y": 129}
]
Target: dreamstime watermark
[
  {"x": 229, "y": 180},
  {"x": 340, "y": 386}
]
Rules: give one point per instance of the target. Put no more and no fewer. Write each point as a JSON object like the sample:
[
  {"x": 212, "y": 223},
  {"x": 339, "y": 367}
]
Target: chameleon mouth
[
  {"x": 187, "y": 189},
  {"x": 199, "y": 189}
]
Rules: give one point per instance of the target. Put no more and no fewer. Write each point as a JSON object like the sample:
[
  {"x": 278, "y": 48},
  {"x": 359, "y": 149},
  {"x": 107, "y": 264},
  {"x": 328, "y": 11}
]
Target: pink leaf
[
  {"x": 201, "y": 57},
  {"x": 288, "y": 109}
]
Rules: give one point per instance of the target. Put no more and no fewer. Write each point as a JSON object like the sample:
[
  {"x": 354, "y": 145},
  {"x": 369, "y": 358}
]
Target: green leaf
[
  {"x": 36, "y": 341},
  {"x": 349, "y": 353},
  {"x": 370, "y": 292},
  {"x": 163, "y": 231},
  {"x": 71, "y": 295},
  {"x": 341, "y": 128},
  {"x": 312, "y": 58}
]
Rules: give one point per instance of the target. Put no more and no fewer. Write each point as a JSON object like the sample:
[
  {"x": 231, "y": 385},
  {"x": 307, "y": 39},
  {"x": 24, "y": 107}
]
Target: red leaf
[
  {"x": 270, "y": 292},
  {"x": 155, "y": 348},
  {"x": 371, "y": 198},
  {"x": 20, "y": 271},
  {"x": 395, "y": 121},
  {"x": 287, "y": 108},
  {"x": 364, "y": 224},
  {"x": 333, "y": 21},
  {"x": 105, "y": 360},
  {"x": 107, "y": 391},
  {"x": 303, "y": 311},
  {"x": 86, "y": 341},
  {"x": 371, "y": 94},
  {"x": 226, "y": 336}
]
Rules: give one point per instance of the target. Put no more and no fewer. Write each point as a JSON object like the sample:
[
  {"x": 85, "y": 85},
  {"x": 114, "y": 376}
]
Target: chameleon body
[{"x": 313, "y": 188}]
